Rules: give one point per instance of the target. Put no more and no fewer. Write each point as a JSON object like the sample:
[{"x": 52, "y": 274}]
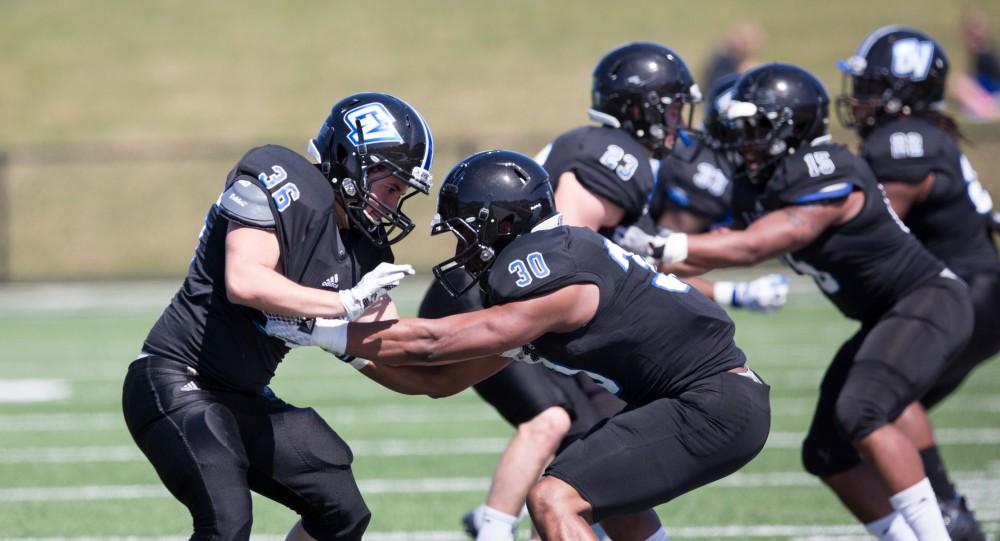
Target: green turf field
[{"x": 68, "y": 469}]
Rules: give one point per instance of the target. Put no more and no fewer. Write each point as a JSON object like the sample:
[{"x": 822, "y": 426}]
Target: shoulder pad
[
  {"x": 818, "y": 173},
  {"x": 701, "y": 184},
  {"x": 534, "y": 264},
  {"x": 245, "y": 202},
  {"x": 904, "y": 150}
]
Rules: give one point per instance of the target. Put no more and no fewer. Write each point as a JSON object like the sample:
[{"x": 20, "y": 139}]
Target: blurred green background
[{"x": 119, "y": 120}]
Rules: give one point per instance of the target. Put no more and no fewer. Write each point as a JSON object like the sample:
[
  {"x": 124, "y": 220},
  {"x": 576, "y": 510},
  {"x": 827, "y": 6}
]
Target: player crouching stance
[{"x": 695, "y": 412}]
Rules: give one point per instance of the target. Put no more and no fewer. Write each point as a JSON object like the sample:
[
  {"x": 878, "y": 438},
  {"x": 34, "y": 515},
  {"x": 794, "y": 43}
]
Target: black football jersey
[
  {"x": 607, "y": 162},
  {"x": 224, "y": 341},
  {"x": 695, "y": 178},
  {"x": 652, "y": 335},
  {"x": 954, "y": 221},
  {"x": 865, "y": 265}
]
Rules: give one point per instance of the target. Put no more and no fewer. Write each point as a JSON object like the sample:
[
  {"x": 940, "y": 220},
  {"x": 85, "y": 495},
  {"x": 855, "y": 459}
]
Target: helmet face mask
[
  {"x": 472, "y": 259},
  {"x": 896, "y": 70},
  {"x": 374, "y": 133},
  {"x": 644, "y": 89},
  {"x": 488, "y": 200}
]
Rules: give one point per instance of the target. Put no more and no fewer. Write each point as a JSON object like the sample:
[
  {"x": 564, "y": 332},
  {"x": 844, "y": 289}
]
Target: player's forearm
[
  {"x": 399, "y": 342},
  {"x": 267, "y": 290},
  {"x": 734, "y": 249},
  {"x": 434, "y": 381},
  {"x": 426, "y": 341}
]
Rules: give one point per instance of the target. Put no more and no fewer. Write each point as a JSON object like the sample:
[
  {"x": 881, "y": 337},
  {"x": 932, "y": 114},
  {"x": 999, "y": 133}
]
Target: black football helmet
[
  {"x": 366, "y": 131},
  {"x": 486, "y": 201},
  {"x": 896, "y": 70},
  {"x": 715, "y": 128},
  {"x": 774, "y": 110},
  {"x": 634, "y": 87}
]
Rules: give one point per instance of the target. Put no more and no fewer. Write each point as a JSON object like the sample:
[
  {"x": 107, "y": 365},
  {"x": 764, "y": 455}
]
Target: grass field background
[
  {"x": 120, "y": 119},
  {"x": 68, "y": 468}
]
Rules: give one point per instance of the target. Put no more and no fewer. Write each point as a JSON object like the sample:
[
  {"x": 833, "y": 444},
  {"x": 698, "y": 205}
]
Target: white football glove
[
  {"x": 667, "y": 246},
  {"x": 372, "y": 287},
  {"x": 329, "y": 334},
  {"x": 765, "y": 294}
]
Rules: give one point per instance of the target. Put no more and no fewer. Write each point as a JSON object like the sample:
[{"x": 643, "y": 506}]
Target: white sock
[
  {"x": 892, "y": 527},
  {"x": 659, "y": 535},
  {"x": 919, "y": 506},
  {"x": 496, "y": 526}
]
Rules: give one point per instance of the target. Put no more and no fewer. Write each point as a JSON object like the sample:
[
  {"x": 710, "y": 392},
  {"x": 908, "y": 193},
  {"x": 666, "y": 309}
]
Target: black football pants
[{"x": 211, "y": 447}]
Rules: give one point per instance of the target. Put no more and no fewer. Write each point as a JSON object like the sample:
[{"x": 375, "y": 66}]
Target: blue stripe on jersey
[
  {"x": 833, "y": 191},
  {"x": 678, "y": 196}
]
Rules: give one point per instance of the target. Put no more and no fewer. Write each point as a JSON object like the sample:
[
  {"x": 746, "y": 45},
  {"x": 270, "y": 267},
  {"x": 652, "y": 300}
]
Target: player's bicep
[
  {"x": 250, "y": 245},
  {"x": 581, "y": 207},
  {"x": 250, "y": 253},
  {"x": 903, "y": 195}
]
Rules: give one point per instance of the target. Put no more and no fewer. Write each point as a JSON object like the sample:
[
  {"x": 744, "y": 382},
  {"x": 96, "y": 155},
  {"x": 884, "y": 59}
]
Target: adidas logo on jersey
[
  {"x": 333, "y": 281},
  {"x": 190, "y": 386}
]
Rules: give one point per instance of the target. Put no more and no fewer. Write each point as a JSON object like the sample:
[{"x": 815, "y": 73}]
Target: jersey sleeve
[
  {"x": 536, "y": 264},
  {"x": 245, "y": 202},
  {"x": 819, "y": 174},
  {"x": 903, "y": 152},
  {"x": 607, "y": 163}
]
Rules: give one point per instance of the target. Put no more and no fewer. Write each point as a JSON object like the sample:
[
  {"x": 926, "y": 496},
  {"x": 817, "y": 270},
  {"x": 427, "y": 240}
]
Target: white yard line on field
[
  {"x": 981, "y": 487},
  {"x": 33, "y": 390},
  {"x": 411, "y": 447},
  {"x": 797, "y": 532}
]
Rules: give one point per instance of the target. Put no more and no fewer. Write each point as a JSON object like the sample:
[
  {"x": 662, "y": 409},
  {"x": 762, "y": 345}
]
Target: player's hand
[
  {"x": 666, "y": 246},
  {"x": 329, "y": 334},
  {"x": 372, "y": 287},
  {"x": 523, "y": 354},
  {"x": 635, "y": 240},
  {"x": 765, "y": 294}
]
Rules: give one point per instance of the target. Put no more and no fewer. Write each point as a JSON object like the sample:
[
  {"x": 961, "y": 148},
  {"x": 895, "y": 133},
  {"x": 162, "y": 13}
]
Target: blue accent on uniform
[
  {"x": 682, "y": 133},
  {"x": 678, "y": 197},
  {"x": 843, "y": 67},
  {"x": 824, "y": 196}
]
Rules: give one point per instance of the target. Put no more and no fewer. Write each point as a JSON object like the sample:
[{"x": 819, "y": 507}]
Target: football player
[
  {"x": 640, "y": 93},
  {"x": 893, "y": 98},
  {"x": 290, "y": 240},
  {"x": 693, "y": 194},
  {"x": 819, "y": 207},
  {"x": 695, "y": 412}
]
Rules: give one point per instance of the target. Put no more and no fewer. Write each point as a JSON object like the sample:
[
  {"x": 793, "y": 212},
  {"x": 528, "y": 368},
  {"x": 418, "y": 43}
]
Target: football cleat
[{"x": 959, "y": 520}]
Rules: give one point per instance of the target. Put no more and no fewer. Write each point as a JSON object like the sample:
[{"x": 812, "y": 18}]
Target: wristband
[
  {"x": 724, "y": 293},
  {"x": 675, "y": 248},
  {"x": 356, "y": 363},
  {"x": 331, "y": 335}
]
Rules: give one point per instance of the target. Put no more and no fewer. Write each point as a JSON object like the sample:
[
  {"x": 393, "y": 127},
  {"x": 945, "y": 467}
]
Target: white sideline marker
[{"x": 33, "y": 390}]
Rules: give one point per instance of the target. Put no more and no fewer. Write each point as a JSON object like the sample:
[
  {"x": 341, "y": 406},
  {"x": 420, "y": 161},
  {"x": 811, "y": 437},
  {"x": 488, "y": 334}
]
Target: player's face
[
  {"x": 385, "y": 186},
  {"x": 674, "y": 120}
]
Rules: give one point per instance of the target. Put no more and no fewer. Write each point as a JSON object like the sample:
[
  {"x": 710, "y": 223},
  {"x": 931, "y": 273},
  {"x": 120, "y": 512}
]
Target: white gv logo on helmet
[
  {"x": 912, "y": 58},
  {"x": 377, "y": 124}
]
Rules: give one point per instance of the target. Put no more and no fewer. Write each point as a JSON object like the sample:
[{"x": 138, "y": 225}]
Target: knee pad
[
  {"x": 825, "y": 456},
  {"x": 858, "y": 417},
  {"x": 346, "y": 523}
]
